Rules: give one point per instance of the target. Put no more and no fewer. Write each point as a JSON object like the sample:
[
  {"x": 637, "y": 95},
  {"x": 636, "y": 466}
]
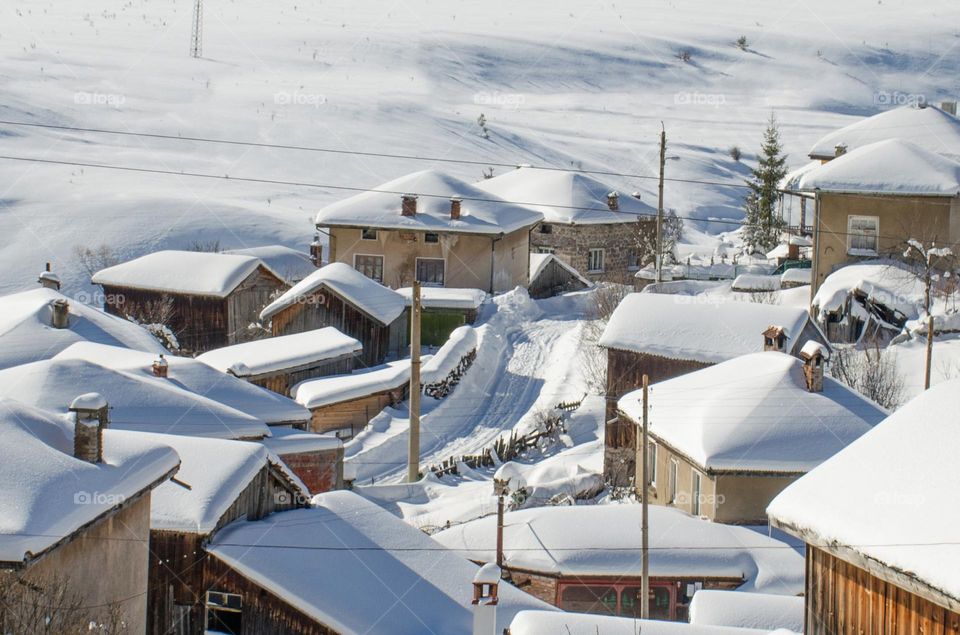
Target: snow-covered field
[{"x": 579, "y": 85}]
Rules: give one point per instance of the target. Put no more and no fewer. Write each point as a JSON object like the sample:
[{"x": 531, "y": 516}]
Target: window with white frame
[
  {"x": 430, "y": 271},
  {"x": 674, "y": 477},
  {"x": 224, "y": 613},
  {"x": 695, "y": 494},
  {"x": 370, "y": 266},
  {"x": 863, "y": 235},
  {"x": 595, "y": 260}
]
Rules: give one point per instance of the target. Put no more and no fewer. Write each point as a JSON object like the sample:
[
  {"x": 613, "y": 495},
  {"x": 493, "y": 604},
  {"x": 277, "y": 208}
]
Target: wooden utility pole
[
  {"x": 413, "y": 450},
  {"x": 929, "y": 308},
  {"x": 663, "y": 163},
  {"x": 500, "y": 487},
  {"x": 645, "y": 521}
]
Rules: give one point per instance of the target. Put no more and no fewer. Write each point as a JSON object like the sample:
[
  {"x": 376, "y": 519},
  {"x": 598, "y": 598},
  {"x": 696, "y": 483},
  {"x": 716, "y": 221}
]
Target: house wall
[
  {"x": 842, "y": 599},
  {"x": 355, "y": 413},
  {"x": 572, "y": 244},
  {"x": 283, "y": 381},
  {"x": 744, "y": 499},
  {"x": 321, "y": 470},
  {"x": 245, "y": 303}
]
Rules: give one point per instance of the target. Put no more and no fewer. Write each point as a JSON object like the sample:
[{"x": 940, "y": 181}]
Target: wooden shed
[
  {"x": 337, "y": 295},
  {"x": 550, "y": 276},
  {"x": 207, "y": 300}
]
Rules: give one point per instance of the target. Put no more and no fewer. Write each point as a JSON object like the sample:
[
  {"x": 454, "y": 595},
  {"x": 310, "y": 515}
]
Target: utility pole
[
  {"x": 645, "y": 521},
  {"x": 929, "y": 308},
  {"x": 413, "y": 451},
  {"x": 663, "y": 162},
  {"x": 500, "y": 487},
  {"x": 196, "y": 41}
]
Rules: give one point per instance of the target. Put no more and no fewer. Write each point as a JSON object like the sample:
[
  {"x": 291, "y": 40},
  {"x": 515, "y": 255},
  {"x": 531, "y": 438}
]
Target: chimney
[
  {"x": 60, "y": 313},
  {"x": 90, "y": 411},
  {"x": 613, "y": 201},
  {"x": 409, "y": 205},
  {"x": 485, "y": 585},
  {"x": 49, "y": 280},
  {"x": 316, "y": 251},
  {"x": 949, "y": 107},
  {"x": 813, "y": 354},
  {"x": 775, "y": 339},
  {"x": 454, "y": 208},
  {"x": 160, "y": 367},
  {"x": 793, "y": 251},
  {"x": 839, "y": 150}
]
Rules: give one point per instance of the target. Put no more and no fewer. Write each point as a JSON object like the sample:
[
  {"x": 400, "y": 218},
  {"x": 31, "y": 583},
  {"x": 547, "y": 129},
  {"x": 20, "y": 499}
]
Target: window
[
  {"x": 595, "y": 260},
  {"x": 659, "y": 602},
  {"x": 370, "y": 266},
  {"x": 546, "y": 229},
  {"x": 633, "y": 260},
  {"x": 674, "y": 475},
  {"x": 224, "y": 613},
  {"x": 430, "y": 237},
  {"x": 652, "y": 462},
  {"x": 430, "y": 271},
  {"x": 601, "y": 600},
  {"x": 368, "y": 234},
  {"x": 545, "y": 250},
  {"x": 862, "y": 235},
  {"x": 695, "y": 497}
]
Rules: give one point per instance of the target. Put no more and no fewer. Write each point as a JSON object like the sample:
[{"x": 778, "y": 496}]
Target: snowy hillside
[{"x": 560, "y": 84}]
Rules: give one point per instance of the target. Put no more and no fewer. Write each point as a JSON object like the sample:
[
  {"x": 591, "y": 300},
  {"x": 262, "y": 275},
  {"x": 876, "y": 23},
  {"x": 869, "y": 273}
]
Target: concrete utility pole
[
  {"x": 645, "y": 521},
  {"x": 413, "y": 453},
  {"x": 196, "y": 40},
  {"x": 663, "y": 163},
  {"x": 929, "y": 308},
  {"x": 500, "y": 487}
]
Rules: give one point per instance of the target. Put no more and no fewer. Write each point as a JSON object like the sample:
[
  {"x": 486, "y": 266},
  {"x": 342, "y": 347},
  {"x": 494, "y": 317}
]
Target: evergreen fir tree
[{"x": 763, "y": 224}]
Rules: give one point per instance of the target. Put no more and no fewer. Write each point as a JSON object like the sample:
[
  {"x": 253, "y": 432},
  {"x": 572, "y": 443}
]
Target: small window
[
  {"x": 599, "y": 600},
  {"x": 430, "y": 237},
  {"x": 633, "y": 260},
  {"x": 368, "y": 234},
  {"x": 430, "y": 271},
  {"x": 595, "y": 260},
  {"x": 863, "y": 235},
  {"x": 224, "y": 613},
  {"x": 652, "y": 462},
  {"x": 546, "y": 250},
  {"x": 674, "y": 476},
  {"x": 546, "y": 229},
  {"x": 370, "y": 266},
  {"x": 695, "y": 496}
]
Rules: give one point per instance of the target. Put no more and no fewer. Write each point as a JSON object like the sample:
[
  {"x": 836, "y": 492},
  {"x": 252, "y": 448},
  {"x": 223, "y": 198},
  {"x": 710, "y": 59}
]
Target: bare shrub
[
  {"x": 210, "y": 246},
  {"x": 593, "y": 360},
  {"x": 764, "y": 297},
  {"x": 93, "y": 259},
  {"x": 871, "y": 371},
  {"x": 30, "y": 606}
]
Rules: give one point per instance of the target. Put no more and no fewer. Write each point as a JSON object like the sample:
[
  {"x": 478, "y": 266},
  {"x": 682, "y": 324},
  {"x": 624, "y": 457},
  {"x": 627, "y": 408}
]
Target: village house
[
  {"x": 879, "y": 521},
  {"x": 550, "y": 276},
  {"x": 586, "y": 559},
  {"x": 339, "y": 296},
  {"x": 725, "y": 440},
  {"x": 586, "y": 224},
  {"x": 664, "y": 336},
  {"x": 206, "y": 299},
  {"x": 443, "y": 309},
  {"x": 453, "y": 235},
  {"x": 76, "y": 511}
]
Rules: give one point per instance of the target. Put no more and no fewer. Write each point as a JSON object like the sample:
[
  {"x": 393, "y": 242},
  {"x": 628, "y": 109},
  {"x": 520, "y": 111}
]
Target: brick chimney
[
  {"x": 60, "y": 313},
  {"x": 90, "y": 411},
  {"x": 409, "y": 205},
  {"x": 775, "y": 339},
  {"x": 316, "y": 251},
  {"x": 454, "y": 208},
  {"x": 485, "y": 588},
  {"x": 813, "y": 354},
  {"x": 613, "y": 201},
  {"x": 49, "y": 280},
  {"x": 160, "y": 367}
]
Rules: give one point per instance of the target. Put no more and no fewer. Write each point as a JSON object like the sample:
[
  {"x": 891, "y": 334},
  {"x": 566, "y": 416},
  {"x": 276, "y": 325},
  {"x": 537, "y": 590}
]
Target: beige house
[
  {"x": 434, "y": 228},
  {"x": 755, "y": 424}
]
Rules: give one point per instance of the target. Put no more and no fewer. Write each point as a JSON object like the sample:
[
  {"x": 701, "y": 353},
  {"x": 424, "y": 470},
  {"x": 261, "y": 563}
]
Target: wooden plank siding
[
  {"x": 625, "y": 370},
  {"x": 554, "y": 280},
  {"x": 282, "y": 381},
  {"x": 843, "y": 599},
  {"x": 355, "y": 413}
]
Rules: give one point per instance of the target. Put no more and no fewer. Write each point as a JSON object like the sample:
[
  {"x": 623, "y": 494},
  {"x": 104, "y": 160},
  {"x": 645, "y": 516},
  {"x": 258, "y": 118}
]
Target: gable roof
[
  {"x": 291, "y": 265},
  {"x": 480, "y": 211},
  {"x": 539, "y": 262},
  {"x": 283, "y": 352},
  {"x": 754, "y": 414},
  {"x": 325, "y": 391},
  {"x": 701, "y": 329},
  {"x": 890, "y": 498},
  {"x": 42, "y": 479},
  {"x": 379, "y": 302},
  {"x": 927, "y": 126},
  {"x": 565, "y": 197},
  {"x": 27, "y": 334},
  {"x": 182, "y": 272}
]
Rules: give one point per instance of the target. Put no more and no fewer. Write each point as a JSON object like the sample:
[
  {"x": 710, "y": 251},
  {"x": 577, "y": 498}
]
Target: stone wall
[{"x": 572, "y": 244}]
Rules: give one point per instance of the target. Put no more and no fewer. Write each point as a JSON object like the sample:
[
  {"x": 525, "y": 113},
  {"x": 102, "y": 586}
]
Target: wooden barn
[
  {"x": 550, "y": 276},
  {"x": 443, "y": 310},
  {"x": 280, "y": 363},
  {"x": 339, "y": 296},
  {"x": 880, "y": 523},
  {"x": 207, "y": 300}
]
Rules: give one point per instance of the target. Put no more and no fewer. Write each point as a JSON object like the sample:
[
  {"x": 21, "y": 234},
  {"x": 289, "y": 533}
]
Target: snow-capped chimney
[
  {"x": 775, "y": 339},
  {"x": 485, "y": 588},
  {"x": 49, "y": 280},
  {"x": 409, "y": 205},
  {"x": 90, "y": 411},
  {"x": 813, "y": 354},
  {"x": 839, "y": 150},
  {"x": 60, "y": 313},
  {"x": 316, "y": 251},
  {"x": 160, "y": 367},
  {"x": 454, "y": 208},
  {"x": 613, "y": 201}
]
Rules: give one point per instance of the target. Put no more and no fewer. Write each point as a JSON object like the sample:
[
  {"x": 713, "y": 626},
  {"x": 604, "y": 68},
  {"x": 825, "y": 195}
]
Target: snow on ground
[{"x": 747, "y": 610}]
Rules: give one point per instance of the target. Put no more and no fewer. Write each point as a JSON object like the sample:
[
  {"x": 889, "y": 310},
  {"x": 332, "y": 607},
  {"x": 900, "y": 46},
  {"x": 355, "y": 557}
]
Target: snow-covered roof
[
  {"x": 796, "y": 275},
  {"x": 137, "y": 402},
  {"x": 697, "y": 328},
  {"x": 324, "y": 391},
  {"x": 277, "y": 354},
  {"x": 747, "y": 610},
  {"x": 292, "y": 441},
  {"x": 480, "y": 211},
  {"x": 566, "y": 197},
  {"x": 42, "y": 500},
  {"x": 27, "y": 334},
  {"x": 410, "y": 585},
  {"x": 182, "y": 272},
  {"x": 543, "y": 623},
  {"x": 379, "y": 302},
  {"x": 195, "y": 376},
  {"x": 755, "y": 282},
  {"x": 791, "y": 182},
  {"x": 602, "y": 540},
  {"x": 890, "y": 497},
  {"x": 893, "y": 166},
  {"x": 539, "y": 262},
  {"x": 884, "y": 282},
  {"x": 291, "y": 265},
  {"x": 928, "y": 127},
  {"x": 754, "y": 413},
  {"x": 446, "y": 297},
  {"x": 461, "y": 341}
]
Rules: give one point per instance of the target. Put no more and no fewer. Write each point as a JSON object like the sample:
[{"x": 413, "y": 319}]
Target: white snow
[
  {"x": 292, "y": 441},
  {"x": 371, "y": 297},
  {"x": 707, "y": 329},
  {"x": 602, "y": 540},
  {"x": 183, "y": 272},
  {"x": 285, "y": 352},
  {"x": 89, "y": 401},
  {"x": 754, "y": 282},
  {"x": 386, "y": 577},
  {"x": 446, "y": 297},
  {"x": 462, "y": 340},
  {"x": 884, "y": 282},
  {"x": 539, "y": 262},
  {"x": 812, "y": 347},
  {"x": 290, "y": 264},
  {"x": 796, "y": 275},
  {"x": 904, "y": 518},
  {"x": 566, "y": 197},
  {"x": 324, "y": 391},
  {"x": 480, "y": 211},
  {"x": 928, "y": 127},
  {"x": 747, "y": 610},
  {"x": 48, "y": 494},
  {"x": 541, "y": 623}
]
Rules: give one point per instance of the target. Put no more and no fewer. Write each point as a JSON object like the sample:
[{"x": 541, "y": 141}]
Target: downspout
[
  {"x": 815, "y": 277},
  {"x": 493, "y": 252}
]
